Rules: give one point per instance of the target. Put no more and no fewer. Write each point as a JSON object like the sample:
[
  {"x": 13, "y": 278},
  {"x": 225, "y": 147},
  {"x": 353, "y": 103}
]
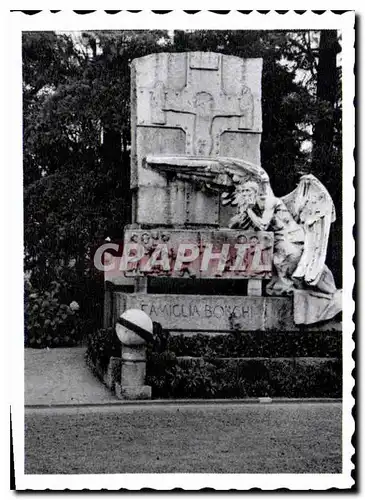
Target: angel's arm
[{"x": 262, "y": 222}]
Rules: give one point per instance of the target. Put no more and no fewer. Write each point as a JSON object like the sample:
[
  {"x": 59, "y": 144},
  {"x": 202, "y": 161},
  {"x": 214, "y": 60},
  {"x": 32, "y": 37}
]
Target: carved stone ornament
[{"x": 300, "y": 222}]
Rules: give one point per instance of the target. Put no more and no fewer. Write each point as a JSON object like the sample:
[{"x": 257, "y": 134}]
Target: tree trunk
[
  {"x": 326, "y": 98},
  {"x": 116, "y": 157},
  {"x": 327, "y": 166}
]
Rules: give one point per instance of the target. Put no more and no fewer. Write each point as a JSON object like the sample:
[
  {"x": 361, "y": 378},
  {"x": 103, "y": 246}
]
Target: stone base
[
  {"x": 217, "y": 314},
  {"x": 210, "y": 312},
  {"x": 133, "y": 392},
  {"x": 113, "y": 372}
]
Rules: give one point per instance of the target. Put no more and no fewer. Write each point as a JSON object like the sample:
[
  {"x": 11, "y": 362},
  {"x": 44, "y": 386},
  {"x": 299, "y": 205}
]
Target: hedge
[
  {"x": 218, "y": 367},
  {"x": 259, "y": 344},
  {"x": 239, "y": 378},
  {"x": 103, "y": 344}
]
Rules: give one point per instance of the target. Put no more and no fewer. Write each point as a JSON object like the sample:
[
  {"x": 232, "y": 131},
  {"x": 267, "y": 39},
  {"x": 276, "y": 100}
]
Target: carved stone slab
[
  {"x": 211, "y": 313},
  {"x": 226, "y": 253},
  {"x": 196, "y": 103}
]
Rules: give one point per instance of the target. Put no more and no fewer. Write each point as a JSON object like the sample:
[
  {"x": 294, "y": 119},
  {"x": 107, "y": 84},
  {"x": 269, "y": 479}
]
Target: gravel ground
[
  {"x": 60, "y": 376},
  {"x": 202, "y": 438}
]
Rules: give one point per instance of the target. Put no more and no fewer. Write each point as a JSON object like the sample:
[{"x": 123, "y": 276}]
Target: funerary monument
[{"x": 211, "y": 248}]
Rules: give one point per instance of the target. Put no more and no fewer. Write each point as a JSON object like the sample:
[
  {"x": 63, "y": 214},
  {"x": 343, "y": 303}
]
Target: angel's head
[
  {"x": 241, "y": 239},
  {"x": 249, "y": 191},
  {"x": 145, "y": 238},
  {"x": 253, "y": 241}
]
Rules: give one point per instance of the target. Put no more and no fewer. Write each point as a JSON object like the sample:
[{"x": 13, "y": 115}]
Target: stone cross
[
  {"x": 195, "y": 107},
  {"x": 204, "y": 108},
  {"x": 190, "y": 104}
]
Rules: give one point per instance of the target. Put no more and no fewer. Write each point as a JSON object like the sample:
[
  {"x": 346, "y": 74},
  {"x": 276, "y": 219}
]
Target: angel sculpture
[{"x": 300, "y": 222}]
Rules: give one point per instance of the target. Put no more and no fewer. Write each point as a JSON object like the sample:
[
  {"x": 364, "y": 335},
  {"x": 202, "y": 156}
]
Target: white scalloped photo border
[{"x": 69, "y": 21}]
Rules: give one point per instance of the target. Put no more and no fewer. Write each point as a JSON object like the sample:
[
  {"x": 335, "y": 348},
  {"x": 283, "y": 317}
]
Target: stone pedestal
[
  {"x": 133, "y": 392},
  {"x": 133, "y": 367}
]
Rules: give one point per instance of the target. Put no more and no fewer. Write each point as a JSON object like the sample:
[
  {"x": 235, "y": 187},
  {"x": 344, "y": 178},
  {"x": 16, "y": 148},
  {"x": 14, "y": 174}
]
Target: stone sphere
[{"x": 137, "y": 317}]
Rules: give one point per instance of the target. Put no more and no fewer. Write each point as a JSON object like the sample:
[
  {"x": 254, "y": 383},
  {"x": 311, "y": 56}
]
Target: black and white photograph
[{"x": 187, "y": 215}]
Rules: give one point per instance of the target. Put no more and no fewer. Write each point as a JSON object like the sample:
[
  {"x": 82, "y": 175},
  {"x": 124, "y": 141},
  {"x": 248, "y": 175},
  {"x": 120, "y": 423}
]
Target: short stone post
[
  {"x": 254, "y": 287},
  {"x": 134, "y": 330}
]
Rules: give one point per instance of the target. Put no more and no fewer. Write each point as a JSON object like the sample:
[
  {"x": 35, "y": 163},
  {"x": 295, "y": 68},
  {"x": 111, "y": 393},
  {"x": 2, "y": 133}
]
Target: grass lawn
[{"x": 276, "y": 438}]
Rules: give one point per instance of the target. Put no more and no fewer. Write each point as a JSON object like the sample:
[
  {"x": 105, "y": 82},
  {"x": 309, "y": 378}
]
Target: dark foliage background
[{"x": 77, "y": 138}]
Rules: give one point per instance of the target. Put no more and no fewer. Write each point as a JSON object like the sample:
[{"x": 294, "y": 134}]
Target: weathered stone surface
[
  {"x": 232, "y": 142},
  {"x": 211, "y": 313},
  {"x": 133, "y": 392},
  {"x": 112, "y": 374},
  {"x": 312, "y": 307},
  {"x": 133, "y": 373},
  {"x": 279, "y": 314},
  {"x": 195, "y": 103},
  {"x": 128, "y": 338},
  {"x": 274, "y": 313},
  {"x": 134, "y": 328},
  {"x": 239, "y": 257},
  {"x": 254, "y": 287},
  {"x": 332, "y": 325},
  {"x": 134, "y": 353}
]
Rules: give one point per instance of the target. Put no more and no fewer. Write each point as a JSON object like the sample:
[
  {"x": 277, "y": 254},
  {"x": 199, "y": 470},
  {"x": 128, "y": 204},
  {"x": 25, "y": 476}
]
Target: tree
[
  {"x": 76, "y": 155},
  {"x": 327, "y": 152},
  {"x": 327, "y": 97},
  {"x": 312, "y": 57}
]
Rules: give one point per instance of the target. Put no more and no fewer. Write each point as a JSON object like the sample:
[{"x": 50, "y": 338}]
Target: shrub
[
  {"x": 103, "y": 344},
  {"x": 207, "y": 372},
  {"x": 258, "y": 344},
  {"x": 48, "y": 322},
  {"x": 239, "y": 378},
  {"x": 294, "y": 378}
]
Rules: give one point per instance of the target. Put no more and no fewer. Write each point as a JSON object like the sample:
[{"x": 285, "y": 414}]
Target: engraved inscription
[
  {"x": 195, "y": 310},
  {"x": 200, "y": 312}
]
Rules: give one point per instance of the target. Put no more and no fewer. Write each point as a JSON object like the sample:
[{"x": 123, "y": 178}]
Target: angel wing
[
  {"x": 241, "y": 171},
  {"x": 244, "y": 169},
  {"x": 214, "y": 173},
  {"x": 311, "y": 205},
  {"x": 204, "y": 171}
]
